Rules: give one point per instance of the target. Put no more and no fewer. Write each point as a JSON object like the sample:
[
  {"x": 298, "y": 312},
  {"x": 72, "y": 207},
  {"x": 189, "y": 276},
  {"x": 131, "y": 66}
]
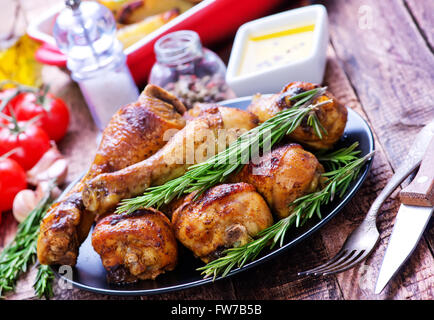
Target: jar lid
[
  {"x": 178, "y": 47},
  {"x": 86, "y": 33}
]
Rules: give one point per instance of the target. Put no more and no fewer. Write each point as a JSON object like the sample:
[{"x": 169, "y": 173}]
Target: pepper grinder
[{"x": 86, "y": 34}]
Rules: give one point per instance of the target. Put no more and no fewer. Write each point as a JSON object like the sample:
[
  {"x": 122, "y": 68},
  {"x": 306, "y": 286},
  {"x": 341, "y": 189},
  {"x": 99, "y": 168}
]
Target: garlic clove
[
  {"x": 58, "y": 170},
  {"x": 44, "y": 186},
  {"x": 52, "y": 165},
  {"x": 24, "y": 202}
]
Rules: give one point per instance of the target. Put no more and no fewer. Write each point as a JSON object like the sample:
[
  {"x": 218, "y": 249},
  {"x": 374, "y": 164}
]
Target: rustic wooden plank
[
  {"x": 8, "y": 228},
  {"x": 389, "y": 65},
  {"x": 277, "y": 279},
  {"x": 220, "y": 290},
  {"x": 359, "y": 283},
  {"x": 78, "y": 294},
  {"x": 423, "y": 15}
]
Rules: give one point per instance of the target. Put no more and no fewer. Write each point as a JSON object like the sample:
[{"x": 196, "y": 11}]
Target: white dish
[{"x": 310, "y": 68}]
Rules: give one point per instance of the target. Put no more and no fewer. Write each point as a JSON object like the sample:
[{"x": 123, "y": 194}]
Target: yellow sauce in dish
[{"x": 276, "y": 48}]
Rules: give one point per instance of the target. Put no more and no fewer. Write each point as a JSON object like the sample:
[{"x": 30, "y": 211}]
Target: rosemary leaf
[
  {"x": 43, "y": 282},
  {"x": 21, "y": 252},
  {"x": 334, "y": 160}
]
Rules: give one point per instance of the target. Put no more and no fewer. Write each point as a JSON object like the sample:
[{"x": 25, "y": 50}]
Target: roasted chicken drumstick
[
  {"x": 283, "y": 175},
  {"x": 139, "y": 245},
  {"x": 332, "y": 116},
  {"x": 134, "y": 133},
  {"x": 189, "y": 146},
  {"x": 225, "y": 216}
]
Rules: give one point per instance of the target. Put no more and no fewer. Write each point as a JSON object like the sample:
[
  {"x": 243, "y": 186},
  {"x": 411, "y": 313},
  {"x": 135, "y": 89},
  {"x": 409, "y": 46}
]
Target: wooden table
[{"x": 380, "y": 63}]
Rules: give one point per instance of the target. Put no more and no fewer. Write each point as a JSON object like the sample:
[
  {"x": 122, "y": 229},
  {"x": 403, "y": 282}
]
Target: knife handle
[{"x": 420, "y": 192}]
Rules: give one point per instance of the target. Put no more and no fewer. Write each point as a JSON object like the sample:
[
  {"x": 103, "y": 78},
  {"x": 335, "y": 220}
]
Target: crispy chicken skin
[
  {"x": 333, "y": 115},
  {"x": 194, "y": 112},
  {"x": 134, "y": 133},
  {"x": 140, "y": 245},
  {"x": 224, "y": 216},
  {"x": 199, "y": 140},
  {"x": 283, "y": 175}
]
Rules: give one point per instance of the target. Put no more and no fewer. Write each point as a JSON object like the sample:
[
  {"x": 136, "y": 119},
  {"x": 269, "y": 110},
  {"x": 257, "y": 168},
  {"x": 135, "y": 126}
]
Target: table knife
[{"x": 413, "y": 216}]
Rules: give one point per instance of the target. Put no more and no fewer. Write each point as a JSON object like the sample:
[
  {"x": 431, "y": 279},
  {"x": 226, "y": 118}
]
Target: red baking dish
[{"x": 213, "y": 20}]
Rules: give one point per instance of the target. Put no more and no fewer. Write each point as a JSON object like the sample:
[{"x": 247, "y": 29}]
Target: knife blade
[{"x": 411, "y": 220}]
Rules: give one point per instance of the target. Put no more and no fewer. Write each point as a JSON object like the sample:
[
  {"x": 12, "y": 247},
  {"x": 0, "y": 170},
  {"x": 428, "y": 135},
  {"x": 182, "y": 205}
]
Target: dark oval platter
[{"x": 89, "y": 274}]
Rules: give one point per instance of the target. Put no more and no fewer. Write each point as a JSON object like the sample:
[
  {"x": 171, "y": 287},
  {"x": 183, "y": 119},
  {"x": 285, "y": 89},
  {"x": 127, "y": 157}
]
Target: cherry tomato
[
  {"x": 12, "y": 181},
  {"x": 53, "y": 113},
  {"x": 31, "y": 143}
]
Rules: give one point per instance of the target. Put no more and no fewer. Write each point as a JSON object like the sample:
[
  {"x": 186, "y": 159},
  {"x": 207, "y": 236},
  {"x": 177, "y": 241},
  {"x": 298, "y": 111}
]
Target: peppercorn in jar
[{"x": 189, "y": 71}]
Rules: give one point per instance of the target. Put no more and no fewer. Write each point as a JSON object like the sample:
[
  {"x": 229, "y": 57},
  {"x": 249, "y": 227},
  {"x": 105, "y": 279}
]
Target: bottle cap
[
  {"x": 72, "y": 4},
  {"x": 86, "y": 33}
]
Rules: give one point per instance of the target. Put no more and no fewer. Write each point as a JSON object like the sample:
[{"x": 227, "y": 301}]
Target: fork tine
[
  {"x": 341, "y": 266},
  {"x": 357, "y": 259},
  {"x": 311, "y": 271},
  {"x": 342, "y": 260}
]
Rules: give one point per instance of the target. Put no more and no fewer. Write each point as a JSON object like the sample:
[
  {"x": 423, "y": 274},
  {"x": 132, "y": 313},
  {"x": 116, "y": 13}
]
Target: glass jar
[{"x": 189, "y": 71}]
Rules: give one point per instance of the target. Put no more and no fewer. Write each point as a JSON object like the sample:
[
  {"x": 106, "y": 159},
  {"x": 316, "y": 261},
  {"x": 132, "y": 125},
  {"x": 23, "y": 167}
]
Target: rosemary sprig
[
  {"x": 21, "y": 252},
  {"x": 334, "y": 160},
  {"x": 303, "y": 209},
  {"x": 43, "y": 282},
  {"x": 204, "y": 175}
]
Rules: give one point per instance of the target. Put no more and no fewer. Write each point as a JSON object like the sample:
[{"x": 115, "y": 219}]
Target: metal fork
[{"x": 363, "y": 239}]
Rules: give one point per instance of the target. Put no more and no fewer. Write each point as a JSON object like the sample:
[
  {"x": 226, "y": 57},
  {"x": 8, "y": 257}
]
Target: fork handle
[{"x": 410, "y": 163}]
